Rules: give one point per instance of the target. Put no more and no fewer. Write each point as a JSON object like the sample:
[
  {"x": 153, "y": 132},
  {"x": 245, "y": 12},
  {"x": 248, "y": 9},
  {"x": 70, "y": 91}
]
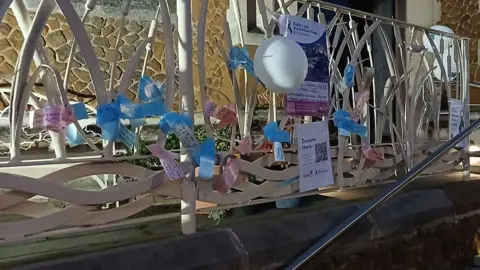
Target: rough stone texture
[
  {"x": 463, "y": 17},
  {"x": 103, "y": 34},
  {"x": 440, "y": 240}
]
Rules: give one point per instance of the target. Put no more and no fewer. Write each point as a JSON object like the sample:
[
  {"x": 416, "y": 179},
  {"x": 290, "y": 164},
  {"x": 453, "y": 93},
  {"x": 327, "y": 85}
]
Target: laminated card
[
  {"x": 314, "y": 158},
  {"x": 457, "y": 120},
  {"x": 312, "y": 98}
]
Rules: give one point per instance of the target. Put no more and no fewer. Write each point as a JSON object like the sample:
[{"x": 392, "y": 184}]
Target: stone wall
[
  {"x": 463, "y": 18},
  {"x": 57, "y": 39}
]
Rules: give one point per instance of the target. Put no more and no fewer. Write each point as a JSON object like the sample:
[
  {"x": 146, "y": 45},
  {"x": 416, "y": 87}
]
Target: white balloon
[
  {"x": 281, "y": 64},
  {"x": 447, "y": 42},
  {"x": 453, "y": 66}
]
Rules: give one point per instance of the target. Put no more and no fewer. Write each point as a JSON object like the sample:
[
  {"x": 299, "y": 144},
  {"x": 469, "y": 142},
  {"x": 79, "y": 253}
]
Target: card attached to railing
[{"x": 314, "y": 157}]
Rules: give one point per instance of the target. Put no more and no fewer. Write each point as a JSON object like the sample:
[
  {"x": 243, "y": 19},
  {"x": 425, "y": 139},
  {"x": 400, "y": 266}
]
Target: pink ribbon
[
  {"x": 55, "y": 118},
  {"x": 169, "y": 164},
  {"x": 361, "y": 99},
  {"x": 373, "y": 154},
  {"x": 226, "y": 114},
  {"x": 244, "y": 146},
  {"x": 229, "y": 176}
]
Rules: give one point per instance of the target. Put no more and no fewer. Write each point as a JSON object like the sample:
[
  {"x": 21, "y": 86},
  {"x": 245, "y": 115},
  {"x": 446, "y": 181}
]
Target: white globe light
[
  {"x": 453, "y": 66},
  {"x": 447, "y": 42},
  {"x": 281, "y": 64}
]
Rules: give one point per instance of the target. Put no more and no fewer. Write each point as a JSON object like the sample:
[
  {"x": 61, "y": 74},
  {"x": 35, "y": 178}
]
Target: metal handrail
[{"x": 380, "y": 199}]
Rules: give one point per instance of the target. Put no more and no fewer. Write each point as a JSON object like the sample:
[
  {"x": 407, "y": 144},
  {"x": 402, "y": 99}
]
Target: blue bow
[
  {"x": 109, "y": 115},
  {"x": 73, "y": 136},
  {"x": 241, "y": 57},
  {"x": 343, "y": 120},
  {"x": 204, "y": 155},
  {"x": 149, "y": 90},
  {"x": 274, "y": 135}
]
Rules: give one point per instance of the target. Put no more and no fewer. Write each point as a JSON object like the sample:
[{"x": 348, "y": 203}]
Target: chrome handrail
[{"x": 380, "y": 199}]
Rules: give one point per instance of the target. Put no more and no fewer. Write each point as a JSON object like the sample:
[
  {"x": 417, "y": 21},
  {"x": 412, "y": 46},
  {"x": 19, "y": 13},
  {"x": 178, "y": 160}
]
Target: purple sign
[{"x": 312, "y": 98}]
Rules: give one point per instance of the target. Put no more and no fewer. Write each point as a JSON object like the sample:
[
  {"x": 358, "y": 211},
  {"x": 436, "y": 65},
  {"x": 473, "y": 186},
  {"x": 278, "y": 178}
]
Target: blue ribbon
[
  {"x": 241, "y": 57},
  {"x": 274, "y": 135},
  {"x": 109, "y": 115},
  {"x": 343, "y": 120},
  {"x": 349, "y": 75},
  {"x": 181, "y": 125},
  {"x": 149, "y": 90},
  {"x": 71, "y": 133},
  {"x": 204, "y": 155}
]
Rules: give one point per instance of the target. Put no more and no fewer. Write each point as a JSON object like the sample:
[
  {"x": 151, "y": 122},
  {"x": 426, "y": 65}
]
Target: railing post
[
  {"x": 185, "y": 69},
  {"x": 465, "y": 97}
]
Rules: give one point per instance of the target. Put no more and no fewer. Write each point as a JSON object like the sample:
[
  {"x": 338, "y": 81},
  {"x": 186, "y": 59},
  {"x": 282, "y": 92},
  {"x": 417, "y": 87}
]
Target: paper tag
[
  {"x": 342, "y": 119},
  {"x": 226, "y": 116},
  {"x": 170, "y": 165},
  {"x": 127, "y": 136},
  {"x": 278, "y": 151},
  {"x": 229, "y": 176},
  {"x": 52, "y": 118}
]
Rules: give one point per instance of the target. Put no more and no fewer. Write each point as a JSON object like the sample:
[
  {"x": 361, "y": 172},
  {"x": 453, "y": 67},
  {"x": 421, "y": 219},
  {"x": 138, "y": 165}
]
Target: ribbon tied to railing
[
  {"x": 360, "y": 100},
  {"x": 226, "y": 114},
  {"x": 277, "y": 137},
  {"x": 348, "y": 78},
  {"x": 230, "y": 170},
  {"x": 343, "y": 120},
  {"x": 244, "y": 146},
  {"x": 241, "y": 57},
  {"x": 57, "y": 118},
  {"x": 150, "y": 90},
  {"x": 203, "y": 154},
  {"x": 169, "y": 164},
  {"x": 109, "y": 117}
]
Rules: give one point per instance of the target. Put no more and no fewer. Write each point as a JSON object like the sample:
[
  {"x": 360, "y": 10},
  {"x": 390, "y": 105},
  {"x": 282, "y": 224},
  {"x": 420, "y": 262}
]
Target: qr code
[{"x": 321, "y": 153}]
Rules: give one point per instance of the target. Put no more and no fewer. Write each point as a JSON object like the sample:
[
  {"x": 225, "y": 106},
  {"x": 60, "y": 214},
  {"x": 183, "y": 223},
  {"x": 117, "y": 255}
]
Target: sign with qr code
[{"x": 314, "y": 158}]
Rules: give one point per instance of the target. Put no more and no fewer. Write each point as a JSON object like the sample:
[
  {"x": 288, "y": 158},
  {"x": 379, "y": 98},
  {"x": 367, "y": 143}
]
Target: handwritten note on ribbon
[
  {"x": 55, "y": 118},
  {"x": 226, "y": 115},
  {"x": 241, "y": 57},
  {"x": 361, "y": 99},
  {"x": 229, "y": 176},
  {"x": 181, "y": 126},
  {"x": 342, "y": 119},
  {"x": 169, "y": 164},
  {"x": 277, "y": 137}
]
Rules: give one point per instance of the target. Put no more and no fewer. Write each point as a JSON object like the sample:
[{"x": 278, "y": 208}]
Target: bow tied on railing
[
  {"x": 203, "y": 154},
  {"x": 343, "y": 120},
  {"x": 149, "y": 90},
  {"x": 226, "y": 114},
  {"x": 241, "y": 57},
  {"x": 348, "y": 78},
  {"x": 109, "y": 117},
  {"x": 277, "y": 137}
]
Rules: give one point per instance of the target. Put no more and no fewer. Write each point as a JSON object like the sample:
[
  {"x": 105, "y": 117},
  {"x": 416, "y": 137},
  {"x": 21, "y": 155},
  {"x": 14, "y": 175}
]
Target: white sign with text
[{"x": 314, "y": 158}]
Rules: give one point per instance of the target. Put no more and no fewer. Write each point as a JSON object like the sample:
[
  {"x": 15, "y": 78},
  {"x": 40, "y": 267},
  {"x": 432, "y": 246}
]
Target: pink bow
[
  {"x": 169, "y": 164},
  {"x": 360, "y": 98},
  {"x": 55, "y": 118},
  {"x": 229, "y": 176},
  {"x": 226, "y": 114},
  {"x": 374, "y": 155},
  {"x": 244, "y": 146}
]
